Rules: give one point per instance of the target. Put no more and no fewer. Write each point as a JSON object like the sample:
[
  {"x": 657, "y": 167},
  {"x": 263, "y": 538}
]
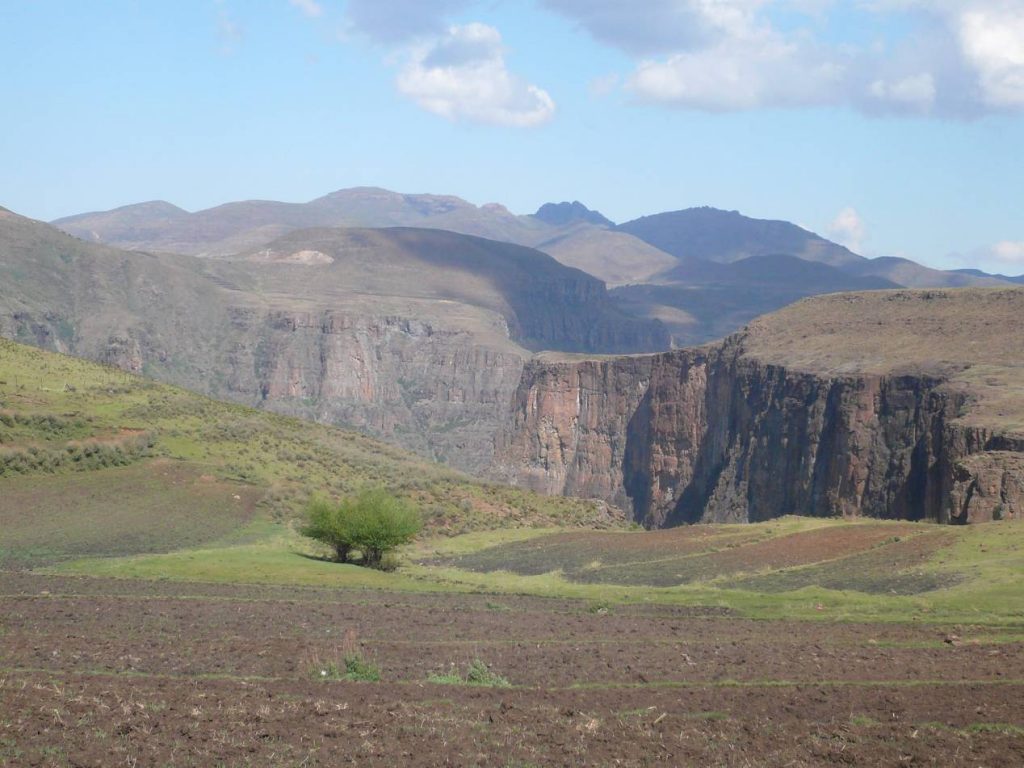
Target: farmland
[{"x": 157, "y": 607}]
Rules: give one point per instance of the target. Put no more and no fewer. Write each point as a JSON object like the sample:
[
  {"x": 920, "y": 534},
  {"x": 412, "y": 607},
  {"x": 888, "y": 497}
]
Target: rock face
[
  {"x": 434, "y": 390},
  {"x": 719, "y": 434}
]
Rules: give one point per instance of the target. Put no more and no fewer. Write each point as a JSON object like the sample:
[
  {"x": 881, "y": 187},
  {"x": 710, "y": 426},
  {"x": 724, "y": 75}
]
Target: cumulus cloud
[
  {"x": 1005, "y": 257},
  {"x": 919, "y": 57},
  {"x": 848, "y": 229},
  {"x": 463, "y": 76},
  {"x": 992, "y": 37},
  {"x": 664, "y": 26}
]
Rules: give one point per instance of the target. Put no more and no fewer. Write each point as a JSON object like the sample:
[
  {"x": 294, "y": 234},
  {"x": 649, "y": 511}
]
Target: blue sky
[{"x": 895, "y": 126}]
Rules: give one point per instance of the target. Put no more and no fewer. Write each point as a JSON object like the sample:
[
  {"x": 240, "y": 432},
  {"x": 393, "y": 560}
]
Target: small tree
[
  {"x": 381, "y": 523},
  {"x": 330, "y": 524},
  {"x": 374, "y": 522}
]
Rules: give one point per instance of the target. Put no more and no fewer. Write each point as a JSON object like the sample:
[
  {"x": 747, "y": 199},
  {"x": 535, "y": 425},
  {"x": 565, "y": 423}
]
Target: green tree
[
  {"x": 374, "y": 522},
  {"x": 330, "y": 524},
  {"x": 381, "y": 522}
]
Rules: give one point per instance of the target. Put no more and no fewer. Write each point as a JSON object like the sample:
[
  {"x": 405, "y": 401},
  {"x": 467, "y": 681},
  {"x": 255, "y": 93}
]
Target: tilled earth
[{"x": 102, "y": 673}]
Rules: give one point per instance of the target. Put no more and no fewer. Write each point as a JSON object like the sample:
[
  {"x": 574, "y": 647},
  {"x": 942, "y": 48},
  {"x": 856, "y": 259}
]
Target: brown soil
[{"x": 98, "y": 673}]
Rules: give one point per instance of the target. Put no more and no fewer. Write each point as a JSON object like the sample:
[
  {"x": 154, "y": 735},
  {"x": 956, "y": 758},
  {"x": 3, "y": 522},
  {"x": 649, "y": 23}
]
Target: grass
[
  {"x": 183, "y": 509},
  {"x": 477, "y": 674},
  {"x": 353, "y": 668},
  {"x": 985, "y": 560}
]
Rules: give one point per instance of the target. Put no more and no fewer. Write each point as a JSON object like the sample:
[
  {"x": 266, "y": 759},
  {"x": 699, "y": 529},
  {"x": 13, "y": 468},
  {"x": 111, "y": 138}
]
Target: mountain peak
[{"x": 560, "y": 214}]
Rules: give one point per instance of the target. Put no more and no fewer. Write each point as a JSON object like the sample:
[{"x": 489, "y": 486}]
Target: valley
[
  {"x": 832, "y": 491},
  {"x": 158, "y": 604}
]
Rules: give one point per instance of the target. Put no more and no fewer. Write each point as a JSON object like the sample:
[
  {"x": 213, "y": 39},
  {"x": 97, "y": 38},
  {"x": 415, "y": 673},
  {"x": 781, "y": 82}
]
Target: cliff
[{"x": 894, "y": 404}]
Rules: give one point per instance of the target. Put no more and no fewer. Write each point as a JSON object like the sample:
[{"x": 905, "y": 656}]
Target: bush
[
  {"x": 330, "y": 524},
  {"x": 374, "y": 522}
]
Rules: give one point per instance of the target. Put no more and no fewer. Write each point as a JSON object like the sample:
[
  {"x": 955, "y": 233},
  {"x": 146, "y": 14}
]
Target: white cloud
[
  {"x": 311, "y": 8},
  {"x": 463, "y": 76},
  {"x": 1005, "y": 257},
  {"x": 959, "y": 58},
  {"x": 848, "y": 229},
  {"x": 916, "y": 91},
  {"x": 1009, "y": 252},
  {"x": 743, "y": 72},
  {"x": 993, "y": 43}
]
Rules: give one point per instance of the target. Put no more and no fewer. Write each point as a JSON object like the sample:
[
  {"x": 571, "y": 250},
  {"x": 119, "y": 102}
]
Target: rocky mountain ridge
[{"x": 702, "y": 272}]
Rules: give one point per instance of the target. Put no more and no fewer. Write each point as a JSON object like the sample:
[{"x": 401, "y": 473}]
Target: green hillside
[{"x": 95, "y": 461}]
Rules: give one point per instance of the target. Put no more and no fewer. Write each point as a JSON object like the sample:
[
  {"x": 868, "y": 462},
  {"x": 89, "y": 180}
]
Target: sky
[{"x": 893, "y": 126}]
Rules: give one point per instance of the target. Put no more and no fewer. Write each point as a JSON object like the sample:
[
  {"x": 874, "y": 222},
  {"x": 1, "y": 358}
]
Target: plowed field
[{"x": 111, "y": 672}]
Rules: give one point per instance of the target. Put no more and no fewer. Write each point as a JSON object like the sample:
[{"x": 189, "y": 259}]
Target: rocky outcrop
[
  {"x": 988, "y": 486},
  {"x": 717, "y": 435}
]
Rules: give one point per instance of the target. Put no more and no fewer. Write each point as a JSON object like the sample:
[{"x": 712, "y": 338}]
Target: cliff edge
[{"x": 891, "y": 404}]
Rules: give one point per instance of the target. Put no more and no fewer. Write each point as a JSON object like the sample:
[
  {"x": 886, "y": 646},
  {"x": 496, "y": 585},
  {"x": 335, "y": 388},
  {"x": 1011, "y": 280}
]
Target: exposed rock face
[
  {"x": 988, "y": 486},
  {"x": 430, "y": 389},
  {"x": 720, "y": 435}
]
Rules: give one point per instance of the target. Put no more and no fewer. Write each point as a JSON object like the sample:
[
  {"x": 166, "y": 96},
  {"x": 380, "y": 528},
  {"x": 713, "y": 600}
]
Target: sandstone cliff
[{"x": 891, "y": 404}]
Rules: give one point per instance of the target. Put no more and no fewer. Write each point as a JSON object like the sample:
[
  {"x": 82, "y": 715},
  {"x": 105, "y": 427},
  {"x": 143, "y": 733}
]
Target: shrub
[
  {"x": 358, "y": 668},
  {"x": 374, "y": 522},
  {"x": 330, "y": 524}
]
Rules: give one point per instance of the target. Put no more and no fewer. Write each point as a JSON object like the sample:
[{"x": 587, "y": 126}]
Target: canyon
[{"x": 485, "y": 355}]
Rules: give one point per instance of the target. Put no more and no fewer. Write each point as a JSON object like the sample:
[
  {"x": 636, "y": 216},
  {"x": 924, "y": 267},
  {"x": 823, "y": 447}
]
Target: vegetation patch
[
  {"x": 155, "y": 506},
  {"x": 374, "y": 523},
  {"x": 477, "y": 673}
]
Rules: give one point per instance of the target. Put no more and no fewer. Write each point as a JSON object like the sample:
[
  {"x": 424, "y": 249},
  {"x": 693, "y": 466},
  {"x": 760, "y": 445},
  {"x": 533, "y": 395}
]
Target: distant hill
[
  {"x": 726, "y": 236},
  {"x": 673, "y": 266},
  {"x": 545, "y": 304},
  {"x": 1019, "y": 279},
  {"x": 579, "y": 237},
  {"x": 703, "y": 300},
  {"x": 910, "y": 274},
  {"x": 561, "y": 214}
]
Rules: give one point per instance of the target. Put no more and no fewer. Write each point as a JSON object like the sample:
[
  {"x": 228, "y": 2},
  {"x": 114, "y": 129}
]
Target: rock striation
[{"x": 751, "y": 428}]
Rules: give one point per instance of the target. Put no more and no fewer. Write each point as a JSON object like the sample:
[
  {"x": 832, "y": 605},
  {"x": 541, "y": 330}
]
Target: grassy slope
[{"x": 90, "y": 453}]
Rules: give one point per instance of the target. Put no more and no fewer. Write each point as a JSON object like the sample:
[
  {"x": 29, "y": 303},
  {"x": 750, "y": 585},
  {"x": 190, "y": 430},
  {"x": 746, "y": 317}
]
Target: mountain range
[{"x": 671, "y": 267}]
